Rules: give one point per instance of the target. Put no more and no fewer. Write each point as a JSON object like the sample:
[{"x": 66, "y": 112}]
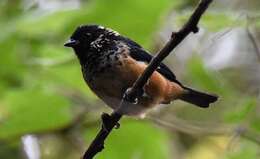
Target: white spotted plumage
[{"x": 111, "y": 63}]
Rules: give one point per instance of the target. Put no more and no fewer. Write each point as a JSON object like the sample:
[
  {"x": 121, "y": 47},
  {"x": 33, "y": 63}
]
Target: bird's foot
[{"x": 107, "y": 121}]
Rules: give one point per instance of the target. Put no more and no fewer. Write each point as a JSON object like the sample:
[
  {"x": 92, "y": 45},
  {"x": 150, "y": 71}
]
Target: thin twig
[
  {"x": 254, "y": 42},
  {"x": 251, "y": 37},
  {"x": 136, "y": 90},
  {"x": 176, "y": 38},
  {"x": 188, "y": 127}
]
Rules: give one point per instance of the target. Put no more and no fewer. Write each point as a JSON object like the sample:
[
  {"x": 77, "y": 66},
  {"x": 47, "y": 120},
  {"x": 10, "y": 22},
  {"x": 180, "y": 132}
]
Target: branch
[
  {"x": 254, "y": 42},
  {"x": 136, "y": 91},
  {"x": 97, "y": 144},
  {"x": 250, "y": 35},
  {"x": 176, "y": 38}
]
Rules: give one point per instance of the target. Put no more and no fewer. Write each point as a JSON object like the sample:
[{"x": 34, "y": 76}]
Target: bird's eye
[{"x": 88, "y": 34}]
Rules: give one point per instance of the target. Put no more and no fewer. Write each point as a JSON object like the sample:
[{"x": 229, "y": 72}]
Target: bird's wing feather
[{"x": 139, "y": 54}]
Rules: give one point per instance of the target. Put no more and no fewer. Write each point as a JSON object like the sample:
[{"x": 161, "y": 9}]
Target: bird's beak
[{"x": 71, "y": 43}]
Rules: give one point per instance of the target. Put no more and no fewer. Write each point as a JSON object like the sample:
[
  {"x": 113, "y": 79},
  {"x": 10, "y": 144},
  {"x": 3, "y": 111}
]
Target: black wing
[{"x": 139, "y": 54}]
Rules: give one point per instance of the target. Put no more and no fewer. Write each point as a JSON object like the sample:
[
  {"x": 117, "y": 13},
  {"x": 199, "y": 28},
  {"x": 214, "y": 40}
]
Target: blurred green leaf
[
  {"x": 257, "y": 23},
  {"x": 10, "y": 150},
  {"x": 245, "y": 149},
  {"x": 242, "y": 110},
  {"x": 11, "y": 66},
  {"x": 57, "y": 146},
  {"x": 54, "y": 52},
  {"x": 255, "y": 121},
  {"x": 219, "y": 21},
  {"x": 45, "y": 25},
  {"x": 204, "y": 78},
  {"x": 135, "y": 139},
  {"x": 131, "y": 18},
  {"x": 34, "y": 66},
  {"x": 214, "y": 21},
  {"x": 61, "y": 77},
  {"x": 30, "y": 111}
]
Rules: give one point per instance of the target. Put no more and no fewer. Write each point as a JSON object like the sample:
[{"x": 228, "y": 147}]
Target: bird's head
[{"x": 83, "y": 37}]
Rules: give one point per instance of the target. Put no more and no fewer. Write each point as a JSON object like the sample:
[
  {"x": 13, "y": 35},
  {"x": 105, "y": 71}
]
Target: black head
[{"x": 84, "y": 35}]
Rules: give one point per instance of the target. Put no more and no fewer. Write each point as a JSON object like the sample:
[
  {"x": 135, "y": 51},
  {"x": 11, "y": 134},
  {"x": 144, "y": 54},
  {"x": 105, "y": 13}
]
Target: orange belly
[{"x": 111, "y": 85}]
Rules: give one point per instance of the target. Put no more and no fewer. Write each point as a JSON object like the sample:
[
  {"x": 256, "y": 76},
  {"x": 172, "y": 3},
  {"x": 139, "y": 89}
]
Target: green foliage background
[{"x": 43, "y": 94}]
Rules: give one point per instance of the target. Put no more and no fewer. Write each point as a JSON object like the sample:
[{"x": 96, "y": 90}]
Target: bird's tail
[{"x": 198, "y": 98}]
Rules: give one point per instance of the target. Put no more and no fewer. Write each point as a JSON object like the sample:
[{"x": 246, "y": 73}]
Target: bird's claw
[
  {"x": 134, "y": 100},
  {"x": 106, "y": 122},
  {"x": 117, "y": 126}
]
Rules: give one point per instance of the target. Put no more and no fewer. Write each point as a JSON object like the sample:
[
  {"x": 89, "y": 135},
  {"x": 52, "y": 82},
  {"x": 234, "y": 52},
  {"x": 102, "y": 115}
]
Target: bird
[{"x": 111, "y": 63}]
